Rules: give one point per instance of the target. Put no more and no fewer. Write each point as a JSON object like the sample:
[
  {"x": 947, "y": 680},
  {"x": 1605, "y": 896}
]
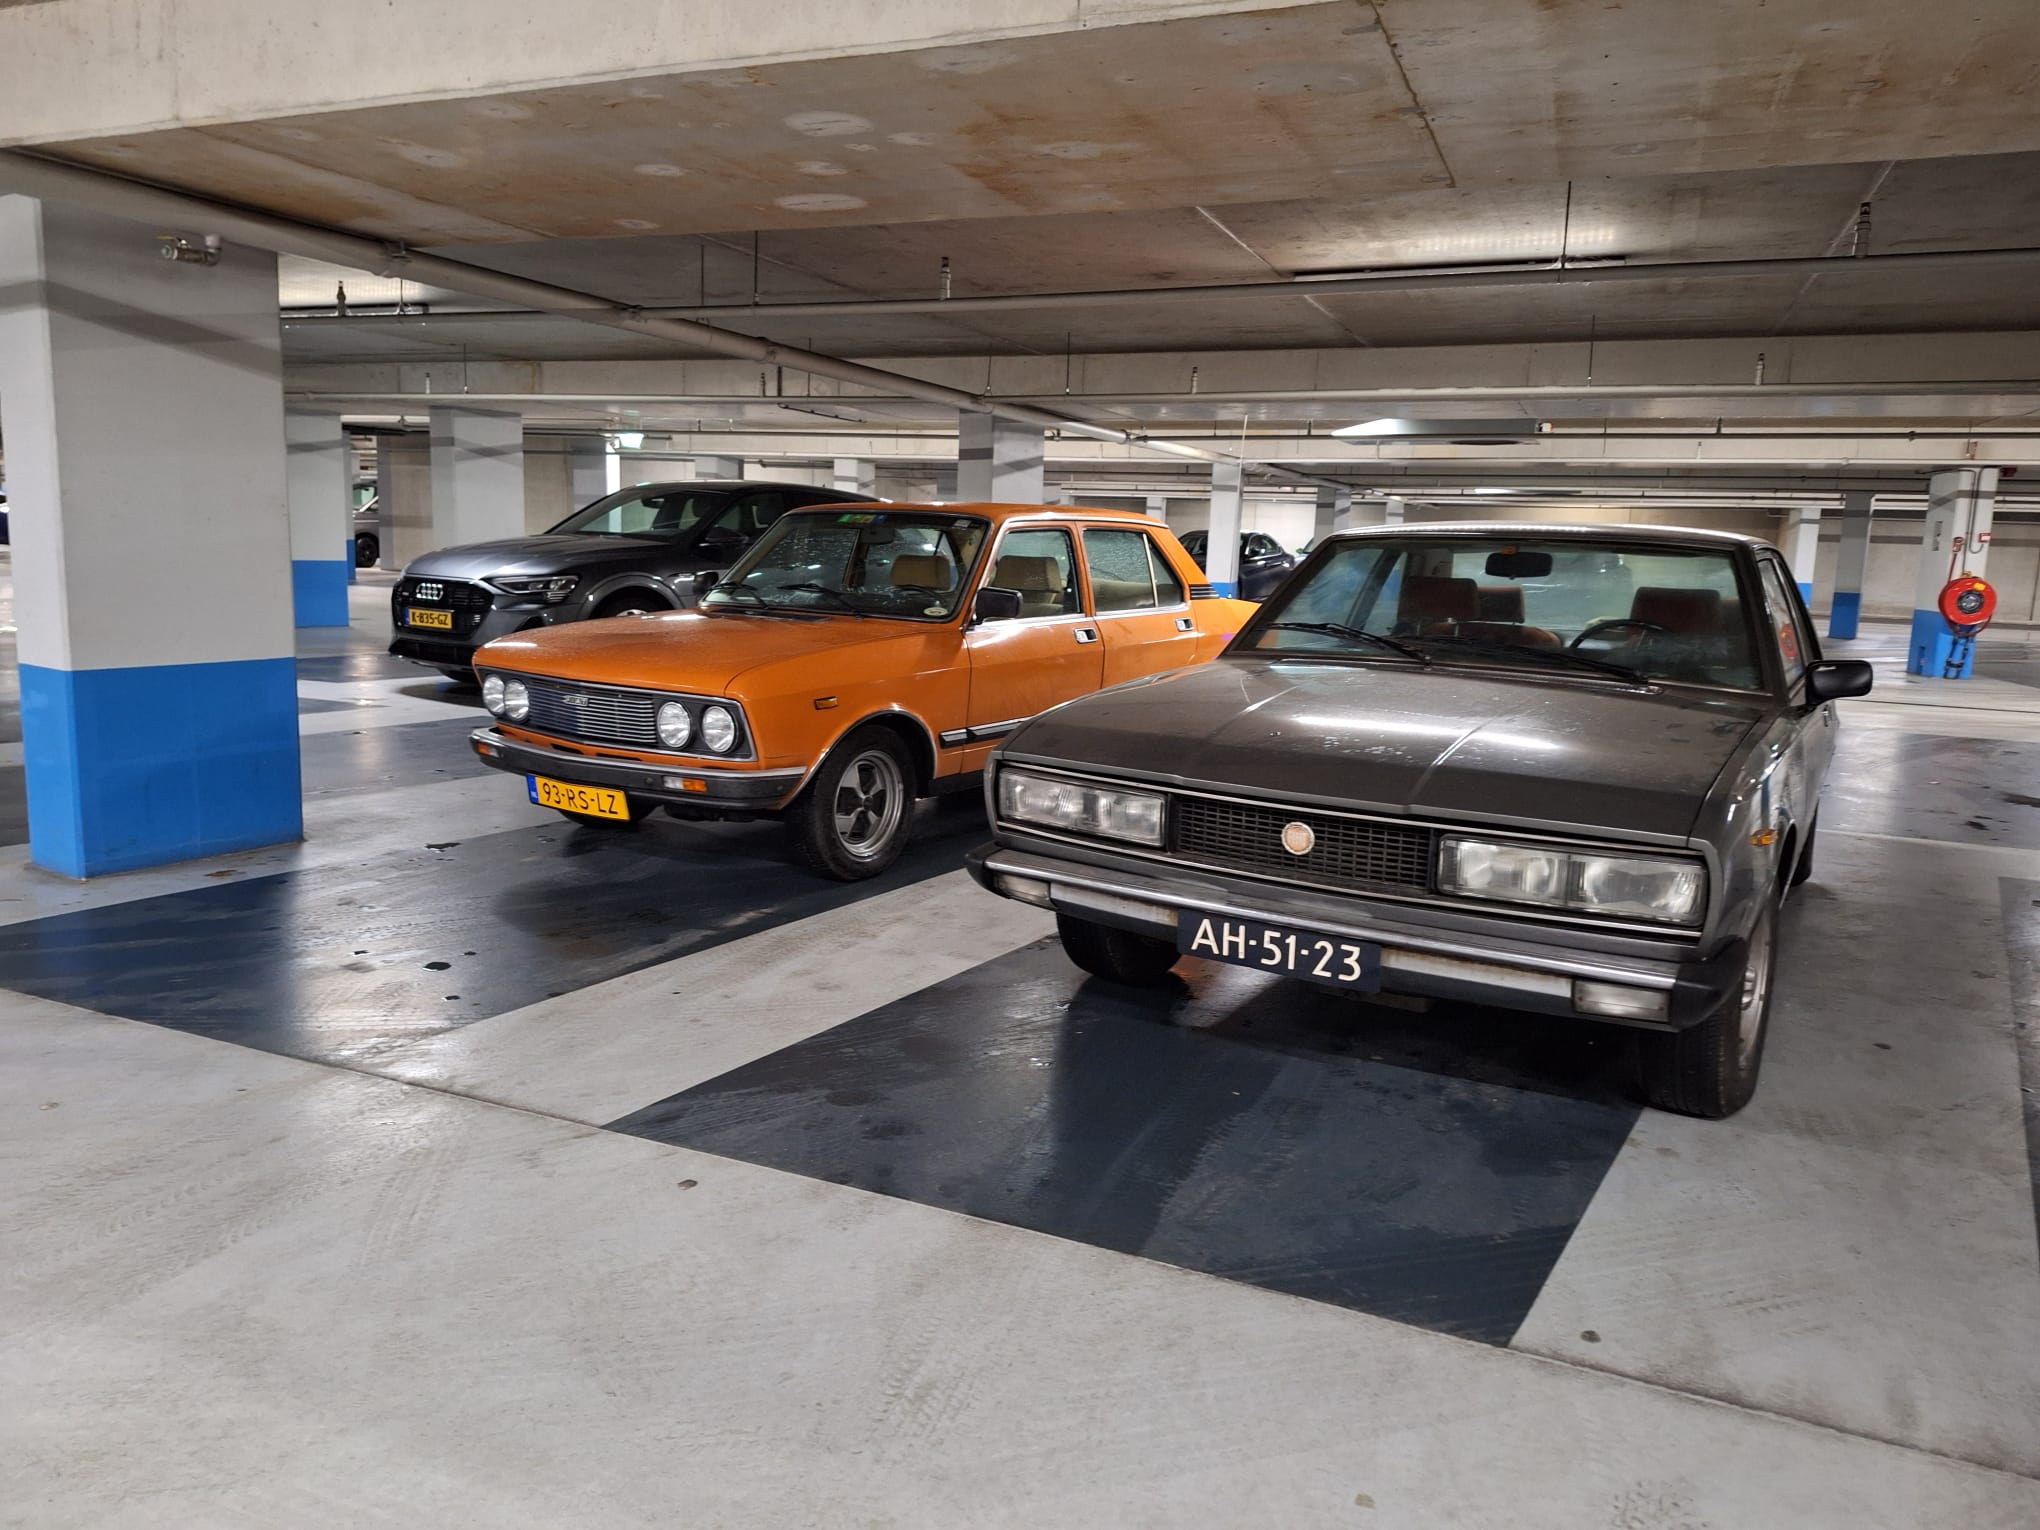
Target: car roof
[
  {"x": 998, "y": 512},
  {"x": 735, "y": 483},
  {"x": 1615, "y": 531}
]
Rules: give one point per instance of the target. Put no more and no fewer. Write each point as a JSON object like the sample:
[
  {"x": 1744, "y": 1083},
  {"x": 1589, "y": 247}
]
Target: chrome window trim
[{"x": 1431, "y": 899}]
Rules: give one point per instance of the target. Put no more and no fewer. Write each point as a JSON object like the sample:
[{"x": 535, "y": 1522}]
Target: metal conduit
[{"x": 1944, "y": 262}]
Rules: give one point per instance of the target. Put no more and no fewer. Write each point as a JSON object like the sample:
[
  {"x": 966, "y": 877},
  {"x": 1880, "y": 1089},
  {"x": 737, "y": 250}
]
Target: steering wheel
[
  {"x": 1594, "y": 629},
  {"x": 922, "y": 589}
]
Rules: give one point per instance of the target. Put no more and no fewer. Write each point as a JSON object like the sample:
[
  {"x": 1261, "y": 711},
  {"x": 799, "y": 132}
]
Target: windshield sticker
[
  {"x": 856, "y": 520},
  {"x": 935, "y": 610}
]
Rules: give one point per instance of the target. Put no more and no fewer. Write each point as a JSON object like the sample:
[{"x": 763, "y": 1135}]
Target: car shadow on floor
[{"x": 1428, "y": 1168}]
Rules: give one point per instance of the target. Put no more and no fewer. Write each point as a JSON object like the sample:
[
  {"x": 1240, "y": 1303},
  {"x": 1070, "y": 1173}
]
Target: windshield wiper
[
  {"x": 1506, "y": 650},
  {"x": 1340, "y": 629},
  {"x": 764, "y": 607},
  {"x": 822, "y": 589}
]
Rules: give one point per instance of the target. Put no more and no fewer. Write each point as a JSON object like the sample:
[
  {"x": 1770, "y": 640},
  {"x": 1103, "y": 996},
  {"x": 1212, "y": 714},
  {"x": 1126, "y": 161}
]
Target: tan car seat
[
  {"x": 931, "y": 571},
  {"x": 1039, "y": 581}
]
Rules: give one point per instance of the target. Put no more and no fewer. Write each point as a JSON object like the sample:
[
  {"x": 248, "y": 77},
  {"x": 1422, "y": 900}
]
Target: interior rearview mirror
[
  {"x": 707, "y": 580},
  {"x": 995, "y": 604},
  {"x": 1518, "y": 565},
  {"x": 1832, "y": 679}
]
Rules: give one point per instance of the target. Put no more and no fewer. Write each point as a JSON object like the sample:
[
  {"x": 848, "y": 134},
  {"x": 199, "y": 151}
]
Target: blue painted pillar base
[
  {"x": 160, "y": 763},
  {"x": 1845, "y": 613},
  {"x": 1936, "y": 651},
  {"x": 1230, "y": 590},
  {"x": 1806, "y": 591},
  {"x": 318, "y": 591}
]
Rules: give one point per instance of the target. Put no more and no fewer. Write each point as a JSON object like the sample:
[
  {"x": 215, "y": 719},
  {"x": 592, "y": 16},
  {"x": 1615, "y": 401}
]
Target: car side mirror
[
  {"x": 1832, "y": 679},
  {"x": 996, "y": 604},
  {"x": 707, "y": 580}
]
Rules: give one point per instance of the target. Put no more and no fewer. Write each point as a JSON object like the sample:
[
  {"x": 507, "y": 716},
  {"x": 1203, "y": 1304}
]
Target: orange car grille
[
  {"x": 1348, "y": 852},
  {"x": 609, "y": 717}
]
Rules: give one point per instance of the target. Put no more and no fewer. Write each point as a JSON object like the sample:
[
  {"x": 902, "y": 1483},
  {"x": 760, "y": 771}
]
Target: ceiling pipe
[
  {"x": 32, "y": 175},
  {"x": 1934, "y": 262}
]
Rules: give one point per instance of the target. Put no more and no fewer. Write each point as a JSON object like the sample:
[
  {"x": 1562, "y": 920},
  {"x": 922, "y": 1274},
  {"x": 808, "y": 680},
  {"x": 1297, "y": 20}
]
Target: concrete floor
[{"x": 459, "y": 1166}]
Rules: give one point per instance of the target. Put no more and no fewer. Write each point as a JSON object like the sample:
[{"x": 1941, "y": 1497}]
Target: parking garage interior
[{"x": 383, "y": 1146}]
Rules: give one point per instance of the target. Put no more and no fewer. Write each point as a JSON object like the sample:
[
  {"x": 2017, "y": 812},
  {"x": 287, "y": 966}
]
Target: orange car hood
[{"x": 683, "y": 650}]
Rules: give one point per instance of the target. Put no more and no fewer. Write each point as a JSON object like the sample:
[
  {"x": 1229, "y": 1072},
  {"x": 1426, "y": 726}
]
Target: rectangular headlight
[
  {"x": 1080, "y": 808},
  {"x": 1636, "y": 887}
]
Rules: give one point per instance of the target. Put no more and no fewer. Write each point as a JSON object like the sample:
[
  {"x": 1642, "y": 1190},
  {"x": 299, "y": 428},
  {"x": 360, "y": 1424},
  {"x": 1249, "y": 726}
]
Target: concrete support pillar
[
  {"x": 588, "y": 467},
  {"x": 1392, "y": 510},
  {"x": 1955, "y": 540},
  {"x": 946, "y": 476},
  {"x": 1850, "y": 560},
  {"x": 1802, "y": 547},
  {"x": 151, "y": 539},
  {"x": 477, "y": 476},
  {"x": 854, "y": 477},
  {"x": 1334, "y": 505},
  {"x": 1222, "y": 538},
  {"x": 1158, "y": 506},
  {"x": 997, "y": 460},
  {"x": 319, "y": 483},
  {"x": 718, "y": 467}
]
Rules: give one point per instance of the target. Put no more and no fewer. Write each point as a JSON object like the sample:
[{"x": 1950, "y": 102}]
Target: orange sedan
[{"x": 855, "y": 659}]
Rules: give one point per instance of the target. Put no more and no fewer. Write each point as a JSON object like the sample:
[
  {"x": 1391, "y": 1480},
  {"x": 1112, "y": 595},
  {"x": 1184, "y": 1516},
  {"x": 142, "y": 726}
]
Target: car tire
[
  {"x": 627, "y": 603},
  {"x": 854, "y": 818},
  {"x": 1710, "y": 1069},
  {"x": 1802, "y": 869},
  {"x": 366, "y": 550},
  {"x": 1120, "y": 956}
]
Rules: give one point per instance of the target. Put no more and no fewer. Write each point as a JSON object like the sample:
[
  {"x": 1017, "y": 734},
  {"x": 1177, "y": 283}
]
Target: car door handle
[
  {"x": 1087, "y": 634},
  {"x": 1184, "y": 624}
]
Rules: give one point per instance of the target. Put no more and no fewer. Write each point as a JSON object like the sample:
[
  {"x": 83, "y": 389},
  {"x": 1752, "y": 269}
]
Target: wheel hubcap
[
  {"x": 869, "y": 801},
  {"x": 1756, "y": 984}
]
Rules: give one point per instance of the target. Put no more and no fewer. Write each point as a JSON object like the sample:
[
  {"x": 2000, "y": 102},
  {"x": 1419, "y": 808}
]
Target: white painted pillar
[
  {"x": 319, "y": 478},
  {"x": 854, "y": 477},
  {"x": 997, "y": 460},
  {"x": 1955, "y": 540},
  {"x": 1392, "y": 510},
  {"x": 1158, "y": 506},
  {"x": 718, "y": 467},
  {"x": 1851, "y": 557},
  {"x": 477, "y": 476},
  {"x": 1802, "y": 547},
  {"x": 1222, "y": 538},
  {"x": 143, "y": 411},
  {"x": 1334, "y": 505},
  {"x": 588, "y": 469}
]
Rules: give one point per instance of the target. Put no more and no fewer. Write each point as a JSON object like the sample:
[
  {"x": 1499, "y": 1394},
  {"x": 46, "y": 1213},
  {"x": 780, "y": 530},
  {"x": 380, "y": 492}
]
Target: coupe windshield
[
  {"x": 912, "y": 565},
  {"x": 1628, "y": 609}
]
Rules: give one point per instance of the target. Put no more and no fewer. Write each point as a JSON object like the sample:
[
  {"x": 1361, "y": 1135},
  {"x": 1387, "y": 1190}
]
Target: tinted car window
[
  {"x": 1668, "y": 613},
  {"x": 1121, "y": 579},
  {"x": 1783, "y": 612},
  {"x": 646, "y": 513},
  {"x": 1042, "y": 566}
]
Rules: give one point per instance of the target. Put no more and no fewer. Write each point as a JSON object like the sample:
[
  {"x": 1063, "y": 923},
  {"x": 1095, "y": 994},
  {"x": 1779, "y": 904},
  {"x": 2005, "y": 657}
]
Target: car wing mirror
[
  {"x": 707, "y": 580},
  {"x": 1832, "y": 679},
  {"x": 997, "y": 604}
]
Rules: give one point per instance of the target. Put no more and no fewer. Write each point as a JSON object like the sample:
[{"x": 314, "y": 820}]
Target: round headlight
[
  {"x": 675, "y": 726},
  {"x": 719, "y": 729},
  {"x": 492, "y": 694},
  {"x": 516, "y": 700}
]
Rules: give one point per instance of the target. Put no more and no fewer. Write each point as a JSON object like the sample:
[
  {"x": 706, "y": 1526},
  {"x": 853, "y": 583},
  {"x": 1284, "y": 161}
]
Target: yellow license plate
[
  {"x": 418, "y": 616},
  {"x": 589, "y": 801}
]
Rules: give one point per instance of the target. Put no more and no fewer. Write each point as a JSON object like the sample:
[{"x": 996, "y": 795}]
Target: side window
[
  {"x": 1260, "y": 545},
  {"x": 1042, "y": 566},
  {"x": 1121, "y": 577},
  {"x": 1168, "y": 588},
  {"x": 1783, "y": 612}
]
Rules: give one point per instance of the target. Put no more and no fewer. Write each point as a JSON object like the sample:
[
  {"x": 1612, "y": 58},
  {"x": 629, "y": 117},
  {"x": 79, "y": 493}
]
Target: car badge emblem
[
  {"x": 575, "y": 700},
  {"x": 1297, "y": 838},
  {"x": 427, "y": 590}
]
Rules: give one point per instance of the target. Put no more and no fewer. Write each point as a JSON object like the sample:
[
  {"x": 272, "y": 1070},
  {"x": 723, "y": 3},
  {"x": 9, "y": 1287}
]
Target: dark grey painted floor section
[
  {"x": 2022, "y": 947},
  {"x": 1976, "y": 791},
  {"x": 372, "y": 759},
  {"x": 336, "y": 963},
  {"x": 1429, "y": 1168}
]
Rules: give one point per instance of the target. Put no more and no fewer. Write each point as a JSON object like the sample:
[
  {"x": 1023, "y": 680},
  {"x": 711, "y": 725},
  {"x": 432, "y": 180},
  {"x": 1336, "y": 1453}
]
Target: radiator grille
[
  {"x": 469, "y": 603},
  {"x": 1347, "y": 853},
  {"x": 610, "y": 717}
]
